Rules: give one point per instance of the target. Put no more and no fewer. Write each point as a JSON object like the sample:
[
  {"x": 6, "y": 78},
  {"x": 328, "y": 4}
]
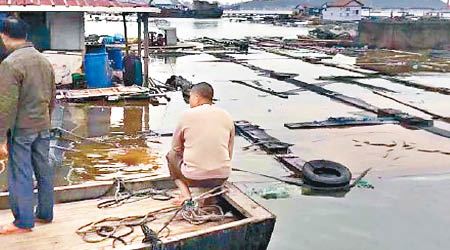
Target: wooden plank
[
  {"x": 341, "y": 122},
  {"x": 292, "y": 162},
  {"x": 90, "y": 93},
  {"x": 96, "y": 190},
  {"x": 69, "y": 217},
  {"x": 244, "y": 204},
  {"x": 259, "y": 137},
  {"x": 437, "y": 131},
  {"x": 269, "y": 91}
]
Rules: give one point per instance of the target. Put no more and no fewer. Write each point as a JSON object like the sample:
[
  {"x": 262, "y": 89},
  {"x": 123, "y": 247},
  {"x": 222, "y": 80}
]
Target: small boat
[
  {"x": 247, "y": 225},
  {"x": 341, "y": 122}
]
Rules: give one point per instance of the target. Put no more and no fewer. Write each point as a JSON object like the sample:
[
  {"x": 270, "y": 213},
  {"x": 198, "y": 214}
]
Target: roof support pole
[
  {"x": 124, "y": 16},
  {"x": 146, "y": 53},
  {"x": 139, "y": 21}
]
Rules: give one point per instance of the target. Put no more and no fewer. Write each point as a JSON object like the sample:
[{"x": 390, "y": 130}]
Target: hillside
[{"x": 290, "y": 4}]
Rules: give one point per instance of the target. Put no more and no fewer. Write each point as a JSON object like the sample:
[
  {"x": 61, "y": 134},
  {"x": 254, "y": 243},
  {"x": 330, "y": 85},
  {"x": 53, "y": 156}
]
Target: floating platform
[
  {"x": 404, "y": 118},
  {"x": 341, "y": 122},
  {"x": 165, "y": 47},
  {"x": 292, "y": 162},
  {"x": 110, "y": 94},
  {"x": 259, "y": 137}
]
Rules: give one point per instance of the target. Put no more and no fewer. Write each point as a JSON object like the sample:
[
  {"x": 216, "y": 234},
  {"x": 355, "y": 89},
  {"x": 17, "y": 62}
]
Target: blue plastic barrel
[
  {"x": 108, "y": 40},
  {"x": 138, "y": 72},
  {"x": 133, "y": 71},
  {"x": 115, "y": 55},
  {"x": 97, "y": 72},
  {"x": 119, "y": 38}
]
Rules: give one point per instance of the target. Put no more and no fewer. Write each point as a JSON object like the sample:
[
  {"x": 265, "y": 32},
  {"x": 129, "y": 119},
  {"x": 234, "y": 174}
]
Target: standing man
[
  {"x": 27, "y": 90},
  {"x": 202, "y": 145}
]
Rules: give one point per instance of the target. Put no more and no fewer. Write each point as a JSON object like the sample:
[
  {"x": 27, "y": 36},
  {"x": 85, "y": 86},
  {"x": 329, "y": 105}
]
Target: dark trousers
[{"x": 175, "y": 161}]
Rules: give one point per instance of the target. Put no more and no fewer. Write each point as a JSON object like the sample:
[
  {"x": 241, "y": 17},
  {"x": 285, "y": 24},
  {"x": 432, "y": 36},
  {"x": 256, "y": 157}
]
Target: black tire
[{"x": 323, "y": 173}]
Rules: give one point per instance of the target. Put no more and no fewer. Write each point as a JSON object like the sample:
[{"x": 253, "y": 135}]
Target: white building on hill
[{"x": 342, "y": 11}]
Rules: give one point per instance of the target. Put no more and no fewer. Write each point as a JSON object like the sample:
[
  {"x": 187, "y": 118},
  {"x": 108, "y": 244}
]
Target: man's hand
[{"x": 3, "y": 150}]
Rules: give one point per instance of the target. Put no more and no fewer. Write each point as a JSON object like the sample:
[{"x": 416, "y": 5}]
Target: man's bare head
[{"x": 201, "y": 93}]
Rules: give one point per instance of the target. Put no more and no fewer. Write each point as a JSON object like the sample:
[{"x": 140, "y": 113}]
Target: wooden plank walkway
[
  {"x": 258, "y": 136},
  {"x": 292, "y": 162},
  {"x": 341, "y": 122}
]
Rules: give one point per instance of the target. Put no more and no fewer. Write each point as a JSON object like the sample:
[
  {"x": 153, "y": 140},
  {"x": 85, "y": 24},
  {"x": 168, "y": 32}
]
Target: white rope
[
  {"x": 199, "y": 215},
  {"x": 196, "y": 215}
]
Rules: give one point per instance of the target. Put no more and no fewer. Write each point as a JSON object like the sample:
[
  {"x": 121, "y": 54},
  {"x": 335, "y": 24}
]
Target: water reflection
[
  {"x": 132, "y": 120},
  {"x": 98, "y": 121},
  {"x": 165, "y": 59},
  {"x": 120, "y": 150},
  {"x": 114, "y": 146}
]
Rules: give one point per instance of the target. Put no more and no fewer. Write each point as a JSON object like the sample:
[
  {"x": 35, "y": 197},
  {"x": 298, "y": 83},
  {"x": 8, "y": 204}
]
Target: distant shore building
[
  {"x": 306, "y": 10},
  {"x": 342, "y": 11}
]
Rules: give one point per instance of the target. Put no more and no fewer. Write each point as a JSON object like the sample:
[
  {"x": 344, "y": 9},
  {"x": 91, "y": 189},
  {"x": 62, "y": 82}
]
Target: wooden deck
[
  {"x": 70, "y": 216},
  {"x": 61, "y": 233}
]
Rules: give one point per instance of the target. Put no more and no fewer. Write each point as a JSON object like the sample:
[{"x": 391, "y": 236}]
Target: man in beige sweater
[{"x": 202, "y": 145}]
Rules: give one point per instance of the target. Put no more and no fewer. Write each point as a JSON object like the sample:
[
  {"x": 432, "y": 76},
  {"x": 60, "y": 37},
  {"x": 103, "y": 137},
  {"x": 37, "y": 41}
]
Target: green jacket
[{"x": 27, "y": 92}]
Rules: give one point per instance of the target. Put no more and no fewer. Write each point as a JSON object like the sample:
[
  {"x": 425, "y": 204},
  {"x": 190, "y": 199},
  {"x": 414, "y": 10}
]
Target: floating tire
[{"x": 323, "y": 173}]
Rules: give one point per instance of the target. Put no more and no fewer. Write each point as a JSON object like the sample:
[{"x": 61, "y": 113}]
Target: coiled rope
[
  {"x": 117, "y": 228},
  {"x": 112, "y": 227},
  {"x": 123, "y": 195}
]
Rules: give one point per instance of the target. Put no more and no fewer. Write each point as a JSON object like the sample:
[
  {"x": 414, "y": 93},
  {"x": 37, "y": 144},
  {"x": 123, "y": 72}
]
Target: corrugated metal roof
[{"x": 77, "y": 5}]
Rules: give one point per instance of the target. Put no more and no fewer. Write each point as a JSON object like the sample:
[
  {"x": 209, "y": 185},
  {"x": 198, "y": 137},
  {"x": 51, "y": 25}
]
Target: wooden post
[
  {"x": 124, "y": 15},
  {"x": 146, "y": 44},
  {"x": 139, "y": 20},
  {"x": 146, "y": 117}
]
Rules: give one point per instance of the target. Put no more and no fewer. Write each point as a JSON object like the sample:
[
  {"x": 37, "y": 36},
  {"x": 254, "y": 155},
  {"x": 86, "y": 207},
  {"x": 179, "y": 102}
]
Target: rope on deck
[
  {"x": 117, "y": 228},
  {"x": 195, "y": 214},
  {"x": 124, "y": 195},
  {"x": 113, "y": 227}
]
